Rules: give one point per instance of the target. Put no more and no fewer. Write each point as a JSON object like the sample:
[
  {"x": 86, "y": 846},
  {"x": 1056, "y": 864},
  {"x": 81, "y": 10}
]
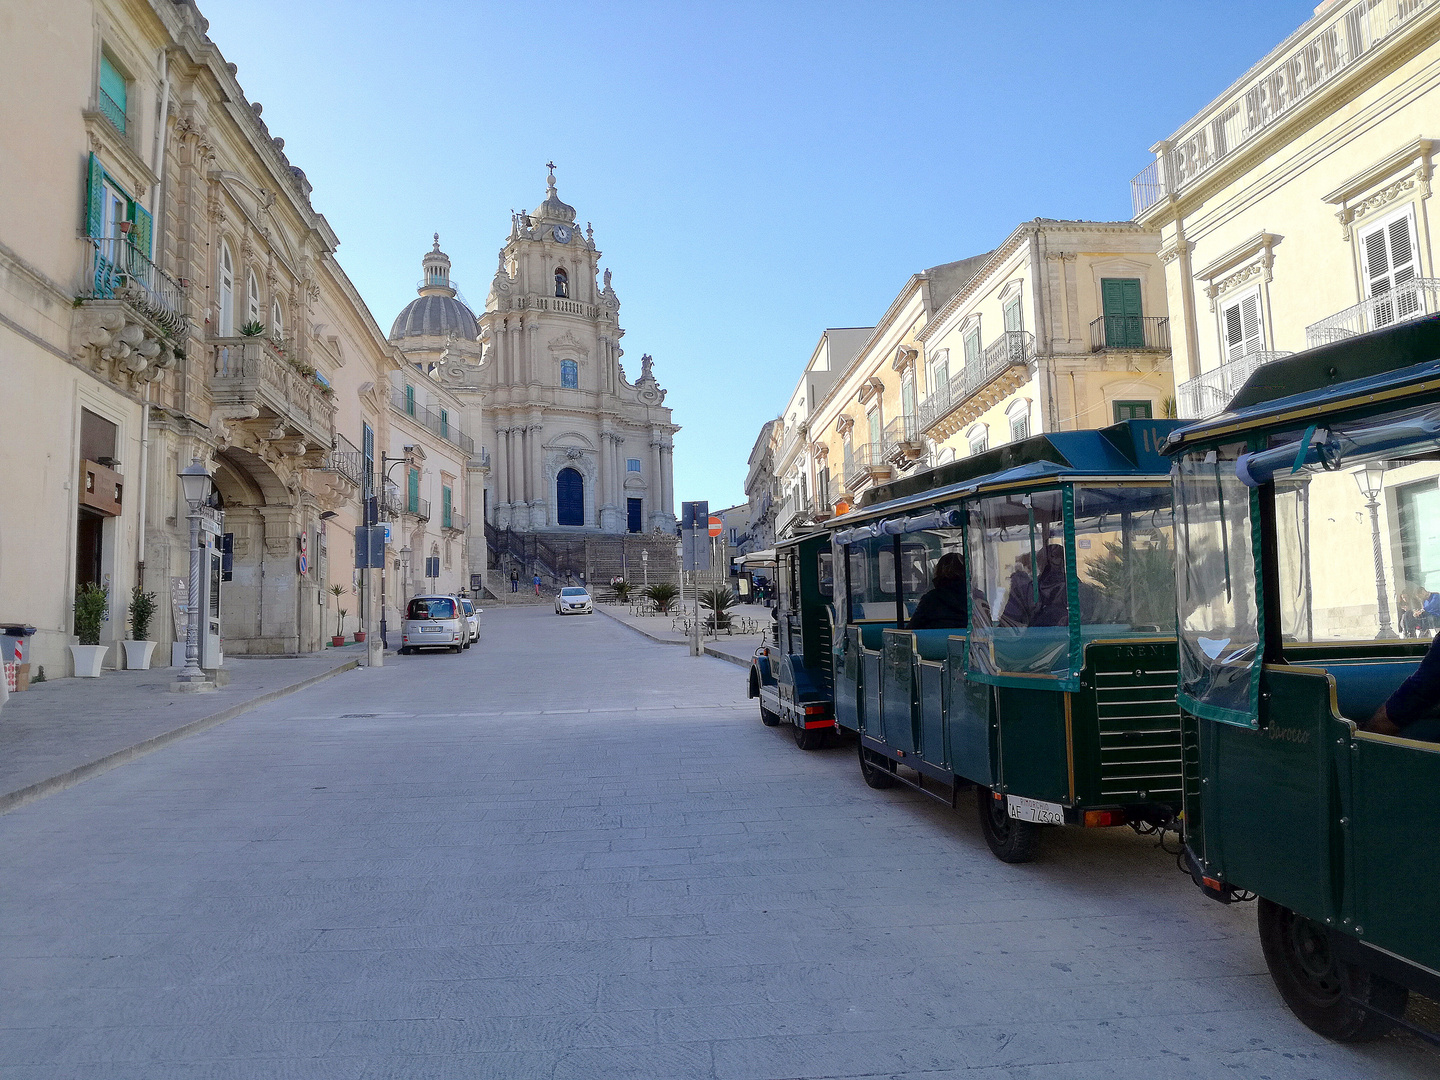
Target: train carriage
[{"x": 1308, "y": 534}]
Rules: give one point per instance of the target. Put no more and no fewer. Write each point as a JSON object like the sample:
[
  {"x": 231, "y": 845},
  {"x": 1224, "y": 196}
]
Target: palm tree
[
  {"x": 662, "y": 594},
  {"x": 718, "y": 601}
]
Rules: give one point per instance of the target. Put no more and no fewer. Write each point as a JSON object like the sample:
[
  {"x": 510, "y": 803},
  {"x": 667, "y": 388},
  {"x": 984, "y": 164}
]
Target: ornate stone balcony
[
  {"x": 251, "y": 382},
  {"x": 132, "y": 319},
  {"x": 1000, "y": 368}
]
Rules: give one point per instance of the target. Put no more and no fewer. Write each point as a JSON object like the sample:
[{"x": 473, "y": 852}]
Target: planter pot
[
  {"x": 88, "y": 660},
  {"x": 359, "y": 636},
  {"x": 337, "y": 641},
  {"x": 137, "y": 654}
]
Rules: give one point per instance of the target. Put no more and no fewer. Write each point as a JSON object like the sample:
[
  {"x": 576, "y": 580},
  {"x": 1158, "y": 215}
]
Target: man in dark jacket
[
  {"x": 943, "y": 607},
  {"x": 1410, "y": 710}
]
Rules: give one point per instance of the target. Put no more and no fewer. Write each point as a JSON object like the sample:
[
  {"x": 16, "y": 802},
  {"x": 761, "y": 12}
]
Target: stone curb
[
  {"x": 709, "y": 650},
  {"x": 13, "y": 800}
]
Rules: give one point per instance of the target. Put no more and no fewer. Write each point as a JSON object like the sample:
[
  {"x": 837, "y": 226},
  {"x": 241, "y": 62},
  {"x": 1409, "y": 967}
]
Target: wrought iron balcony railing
[
  {"x": 1417, "y": 297},
  {"x": 1141, "y": 333},
  {"x": 1271, "y": 91},
  {"x": 1013, "y": 348},
  {"x": 1210, "y": 392},
  {"x": 115, "y": 269},
  {"x": 111, "y": 110},
  {"x": 454, "y": 521},
  {"x": 346, "y": 460},
  {"x": 441, "y": 424},
  {"x": 867, "y": 462}
]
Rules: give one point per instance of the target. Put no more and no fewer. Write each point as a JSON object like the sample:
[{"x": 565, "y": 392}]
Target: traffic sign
[{"x": 716, "y": 526}]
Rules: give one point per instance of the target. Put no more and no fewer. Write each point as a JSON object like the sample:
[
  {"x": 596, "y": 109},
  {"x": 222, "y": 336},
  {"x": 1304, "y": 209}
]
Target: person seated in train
[
  {"x": 1019, "y": 606},
  {"x": 1053, "y": 608},
  {"x": 943, "y": 606},
  {"x": 1411, "y": 711}
]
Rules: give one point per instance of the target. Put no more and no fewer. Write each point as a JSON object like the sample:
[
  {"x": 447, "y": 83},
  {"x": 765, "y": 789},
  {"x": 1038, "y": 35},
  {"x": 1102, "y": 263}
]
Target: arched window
[
  {"x": 570, "y": 374},
  {"x": 252, "y": 299},
  {"x": 277, "y": 320},
  {"x": 227, "y": 291},
  {"x": 562, "y": 282},
  {"x": 569, "y": 498}
]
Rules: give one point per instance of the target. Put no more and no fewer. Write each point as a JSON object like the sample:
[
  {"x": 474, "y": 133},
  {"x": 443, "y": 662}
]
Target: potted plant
[
  {"x": 139, "y": 648},
  {"x": 717, "y": 601},
  {"x": 252, "y": 329},
  {"x": 339, "y": 637},
  {"x": 89, "y": 654},
  {"x": 662, "y": 594}
]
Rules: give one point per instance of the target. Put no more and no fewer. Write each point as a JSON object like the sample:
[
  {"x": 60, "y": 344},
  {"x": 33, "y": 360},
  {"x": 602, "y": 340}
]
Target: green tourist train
[{"x": 1173, "y": 627}]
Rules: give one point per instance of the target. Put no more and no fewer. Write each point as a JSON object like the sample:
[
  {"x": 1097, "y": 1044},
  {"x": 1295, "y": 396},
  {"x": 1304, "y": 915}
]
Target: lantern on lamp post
[{"x": 196, "y": 484}]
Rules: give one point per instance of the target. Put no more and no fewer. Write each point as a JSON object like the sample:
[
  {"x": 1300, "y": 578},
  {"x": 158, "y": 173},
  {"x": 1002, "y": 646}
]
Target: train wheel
[
  {"x": 875, "y": 769},
  {"x": 1327, "y": 994},
  {"x": 810, "y": 738},
  {"x": 1010, "y": 840},
  {"x": 768, "y": 718}
]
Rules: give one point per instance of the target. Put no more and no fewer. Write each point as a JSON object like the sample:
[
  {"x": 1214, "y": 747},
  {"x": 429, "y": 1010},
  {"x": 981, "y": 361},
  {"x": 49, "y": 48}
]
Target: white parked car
[
  {"x": 472, "y": 620},
  {"x": 433, "y": 622},
  {"x": 573, "y": 600}
]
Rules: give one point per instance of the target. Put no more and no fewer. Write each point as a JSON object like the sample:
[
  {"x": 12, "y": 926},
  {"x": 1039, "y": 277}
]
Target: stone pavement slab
[
  {"x": 61, "y": 731},
  {"x": 736, "y": 648},
  {"x": 572, "y": 854}
]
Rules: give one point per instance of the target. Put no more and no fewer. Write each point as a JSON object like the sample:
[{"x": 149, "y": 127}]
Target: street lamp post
[
  {"x": 1371, "y": 481},
  {"x": 196, "y": 485},
  {"x": 645, "y": 565},
  {"x": 386, "y": 464}
]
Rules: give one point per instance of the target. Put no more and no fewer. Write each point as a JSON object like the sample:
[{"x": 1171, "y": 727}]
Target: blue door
[
  {"x": 632, "y": 515},
  {"x": 569, "y": 498}
]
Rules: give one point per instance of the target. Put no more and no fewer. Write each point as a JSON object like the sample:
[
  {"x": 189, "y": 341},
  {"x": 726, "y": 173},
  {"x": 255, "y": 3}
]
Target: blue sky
[{"x": 755, "y": 172}]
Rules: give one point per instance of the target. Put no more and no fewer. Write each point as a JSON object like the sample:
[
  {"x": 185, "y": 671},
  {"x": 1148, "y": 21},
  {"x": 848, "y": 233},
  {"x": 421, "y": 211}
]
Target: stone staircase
[{"x": 564, "y": 558}]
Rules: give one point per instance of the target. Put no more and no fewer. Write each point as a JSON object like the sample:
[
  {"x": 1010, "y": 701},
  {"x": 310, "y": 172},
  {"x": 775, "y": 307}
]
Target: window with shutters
[
  {"x": 823, "y": 487},
  {"x": 978, "y": 439},
  {"x": 226, "y": 291},
  {"x": 1011, "y": 310},
  {"x": 1132, "y": 410},
  {"x": 972, "y": 347},
  {"x": 632, "y": 465},
  {"x": 907, "y": 398},
  {"x": 847, "y": 448},
  {"x": 444, "y": 423},
  {"x": 252, "y": 299},
  {"x": 872, "y": 426},
  {"x": 1390, "y": 265},
  {"x": 413, "y": 494},
  {"x": 1019, "y": 417},
  {"x": 446, "y": 516},
  {"x": 113, "y": 97},
  {"x": 940, "y": 372},
  {"x": 1120, "y": 303},
  {"x": 1242, "y": 326},
  {"x": 367, "y": 451},
  {"x": 409, "y": 400}
]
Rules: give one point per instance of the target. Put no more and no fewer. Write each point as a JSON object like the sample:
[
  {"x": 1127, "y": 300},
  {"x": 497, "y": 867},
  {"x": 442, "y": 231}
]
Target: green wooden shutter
[
  {"x": 414, "y": 500},
  {"x": 445, "y": 507},
  {"x": 444, "y": 424},
  {"x": 1121, "y": 300},
  {"x": 112, "y": 86},
  {"x": 144, "y": 227},
  {"x": 409, "y": 399},
  {"x": 95, "y": 198}
]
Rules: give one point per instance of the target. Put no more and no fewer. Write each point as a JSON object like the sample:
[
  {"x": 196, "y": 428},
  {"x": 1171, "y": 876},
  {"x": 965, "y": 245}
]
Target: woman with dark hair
[{"x": 943, "y": 607}]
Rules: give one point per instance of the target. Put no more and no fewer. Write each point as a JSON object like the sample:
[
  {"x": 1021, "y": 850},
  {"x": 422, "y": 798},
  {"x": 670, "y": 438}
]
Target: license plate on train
[{"x": 1041, "y": 813}]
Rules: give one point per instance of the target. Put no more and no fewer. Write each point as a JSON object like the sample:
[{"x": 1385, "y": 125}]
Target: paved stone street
[{"x": 574, "y": 853}]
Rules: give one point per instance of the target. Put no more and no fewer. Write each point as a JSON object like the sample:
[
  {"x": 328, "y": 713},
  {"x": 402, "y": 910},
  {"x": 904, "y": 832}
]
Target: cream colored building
[
  {"x": 1294, "y": 210},
  {"x": 1063, "y": 326},
  {"x": 168, "y": 292}
]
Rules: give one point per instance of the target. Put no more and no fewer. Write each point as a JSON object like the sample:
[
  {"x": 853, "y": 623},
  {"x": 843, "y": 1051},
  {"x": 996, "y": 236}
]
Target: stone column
[
  {"x": 539, "y": 497},
  {"x": 502, "y": 465},
  {"x": 653, "y": 488},
  {"x": 514, "y": 353},
  {"x": 530, "y": 330},
  {"x": 603, "y": 500},
  {"x": 667, "y": 480}
]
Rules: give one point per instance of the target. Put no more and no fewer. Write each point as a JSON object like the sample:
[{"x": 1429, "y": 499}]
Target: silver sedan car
[{"x": 573, "y": 600}]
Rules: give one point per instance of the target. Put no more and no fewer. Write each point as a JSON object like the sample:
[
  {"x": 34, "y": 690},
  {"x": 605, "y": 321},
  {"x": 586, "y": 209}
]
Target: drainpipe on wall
[
  {"x": 1042, "y": 339},
  {"x": 157, "y": 209},
  {"x": 144, "y": 475}
]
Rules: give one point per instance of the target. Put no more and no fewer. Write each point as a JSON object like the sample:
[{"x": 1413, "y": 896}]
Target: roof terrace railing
[{"x": 1271, "y": 91}]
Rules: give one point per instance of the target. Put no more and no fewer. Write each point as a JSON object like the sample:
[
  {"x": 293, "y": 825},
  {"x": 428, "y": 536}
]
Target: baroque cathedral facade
[{"x": 568, "y": 448}]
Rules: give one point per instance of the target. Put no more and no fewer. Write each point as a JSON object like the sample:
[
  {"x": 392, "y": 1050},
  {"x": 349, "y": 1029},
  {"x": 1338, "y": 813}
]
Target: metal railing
[
  {"x": 868, "y": 459},
  {"x": 1269, "y": 92},
  {"x": 454, "y": 521},
  {"x": 418, "y": 508},
  {"x": 1147, "y": 333},
  {"x": 115, "y": 269},
  {"x": 445, "y": 427},
  {"x": 252, "y": 371},
  {"x": 1210, "y": 392},
  {"x": 112, "y": 110},
  {"x": 902, "y": 430},
  {"x": 1013, "y": 348},
  {"x": 346, "y": 460},
  {"x": 1417, "y": 297}
]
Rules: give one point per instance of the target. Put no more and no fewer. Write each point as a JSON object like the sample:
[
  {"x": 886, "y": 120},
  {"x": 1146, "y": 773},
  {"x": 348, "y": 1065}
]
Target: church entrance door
[
  {"x": 569, "y": 498},
  {"x": 632, "y": 513}
]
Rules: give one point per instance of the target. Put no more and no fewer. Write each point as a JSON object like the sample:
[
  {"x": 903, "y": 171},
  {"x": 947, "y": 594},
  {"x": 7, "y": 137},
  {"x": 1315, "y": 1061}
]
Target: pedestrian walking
[
  {"x": 537, "y": 584},
  {"x": 514, "y": 580}
]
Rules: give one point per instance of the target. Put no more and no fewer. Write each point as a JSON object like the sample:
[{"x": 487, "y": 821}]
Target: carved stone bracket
[{"x": 119, "y": 339}]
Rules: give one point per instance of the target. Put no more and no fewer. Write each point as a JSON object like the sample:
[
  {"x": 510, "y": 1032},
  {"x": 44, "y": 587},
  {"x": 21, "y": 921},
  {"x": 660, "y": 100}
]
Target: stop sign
[{"x": 716, "y": 526}]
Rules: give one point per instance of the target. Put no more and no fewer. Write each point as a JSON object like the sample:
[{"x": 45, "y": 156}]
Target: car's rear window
[
  {"x": 572, "y": 592},
  {"x": 437, "y": 607}
]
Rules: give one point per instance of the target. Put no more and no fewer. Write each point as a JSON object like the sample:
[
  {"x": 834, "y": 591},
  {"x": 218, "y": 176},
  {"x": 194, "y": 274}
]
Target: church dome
[
  {"x": 435, "y": 316},
  {"x": 437, "y": 311}
]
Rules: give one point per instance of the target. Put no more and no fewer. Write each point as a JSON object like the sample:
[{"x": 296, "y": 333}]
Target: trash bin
[
  {"x": 15, "y": 653},
  {"x": 17, "y": 641}
]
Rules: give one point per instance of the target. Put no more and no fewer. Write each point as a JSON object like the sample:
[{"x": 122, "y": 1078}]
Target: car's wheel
[
  {"x": 768, "y": 718},
  {"x": 404, "y": 650},
  {"x": 810, "y": 738},
  {"x": 457, "y": 649},
  {"x": 876, "y": 769},
  {"x": 1010, "y": 840},
  {"x": 1328, "y": 995}
]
